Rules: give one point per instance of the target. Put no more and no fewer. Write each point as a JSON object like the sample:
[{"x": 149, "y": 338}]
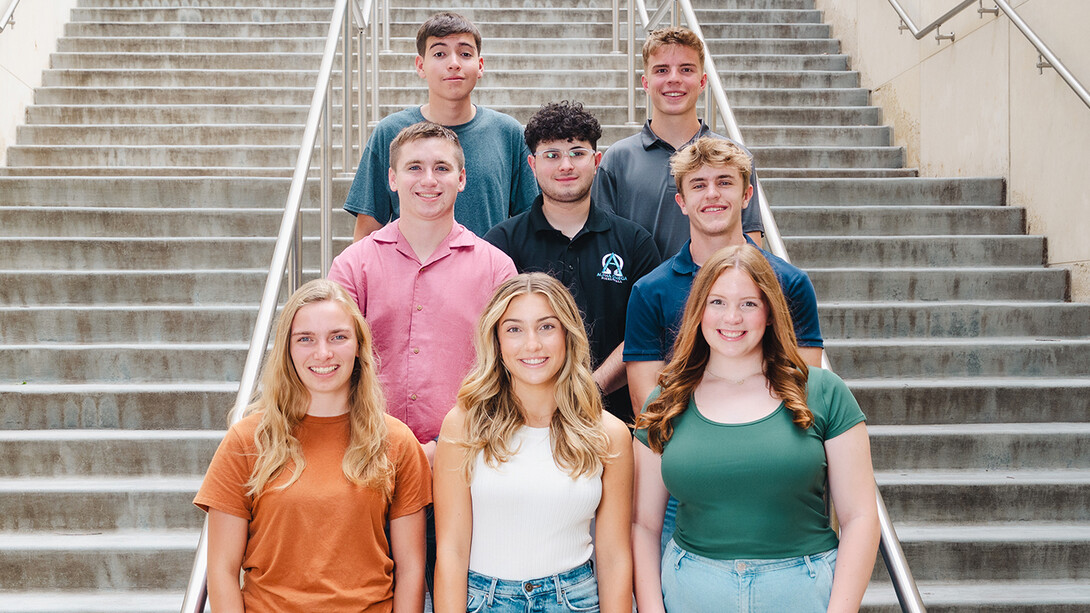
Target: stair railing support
[{"x": 8, "y": 18}]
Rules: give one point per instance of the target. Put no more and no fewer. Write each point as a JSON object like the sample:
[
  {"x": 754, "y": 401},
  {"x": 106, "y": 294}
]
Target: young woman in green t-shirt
[{"x": 746, "y": 437}]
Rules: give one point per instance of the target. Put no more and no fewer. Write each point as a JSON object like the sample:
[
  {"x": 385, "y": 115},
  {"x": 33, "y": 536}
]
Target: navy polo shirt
[
  {"x": 658, "y": 303},
  {"x": 599, "y": 265}
]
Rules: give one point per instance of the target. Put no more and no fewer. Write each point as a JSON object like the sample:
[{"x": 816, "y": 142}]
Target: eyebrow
[
  {"x": 307, "y": 332},
  {"x": 518, "y": 321}
]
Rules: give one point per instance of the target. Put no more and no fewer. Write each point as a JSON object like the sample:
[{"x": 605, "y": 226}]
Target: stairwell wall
[
  {"x": 24, "y": 53},
  {"x": 977, "y": 106}
]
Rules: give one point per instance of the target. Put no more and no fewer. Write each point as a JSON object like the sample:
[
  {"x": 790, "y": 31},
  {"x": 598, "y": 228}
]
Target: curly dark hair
[{"x": 562, "y": 121}]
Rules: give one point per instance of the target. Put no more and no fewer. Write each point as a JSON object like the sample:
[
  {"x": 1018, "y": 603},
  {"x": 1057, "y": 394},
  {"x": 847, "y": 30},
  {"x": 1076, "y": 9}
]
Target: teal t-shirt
[
  {"x": 499, "y": 180},
  {"x": 755, "y": 490}
]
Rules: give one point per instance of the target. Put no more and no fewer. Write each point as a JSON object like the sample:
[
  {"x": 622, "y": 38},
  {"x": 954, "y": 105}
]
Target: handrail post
[
  {"x": 385, "y": 26},
  {"x": 8, "y": 18},
  {"x": 374, "y": 64},
  {"x": 616, "y": 26},
  {"x": 361, "y": 79},
  {"x": 631, "y": 62},
  {"x": 295, "y": 265},
  {"x": 326, "y": 189},
  {"x": 346, "y": 91}
]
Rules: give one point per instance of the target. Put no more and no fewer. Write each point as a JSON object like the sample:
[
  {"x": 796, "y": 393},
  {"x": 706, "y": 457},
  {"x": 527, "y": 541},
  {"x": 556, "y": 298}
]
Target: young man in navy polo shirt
[{"x": 597, "y": 254}]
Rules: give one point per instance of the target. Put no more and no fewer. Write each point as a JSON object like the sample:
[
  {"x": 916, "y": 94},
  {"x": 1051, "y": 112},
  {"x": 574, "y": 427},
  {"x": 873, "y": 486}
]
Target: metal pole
[
  {"x": 346, "y": 78},
  {"x": 1064, "y": 73},
  {"x": 616, "y": 26},
  {"x": 326, "y": 190},
  {"x": 631, "y": 62},
  {"x": 362, "y": 86},
  {"x": 386, "y": 26},
  {"x": 374, "y": 65},
  {"x": 295, "y": 267},
  {"x": 903, "y": 583}
]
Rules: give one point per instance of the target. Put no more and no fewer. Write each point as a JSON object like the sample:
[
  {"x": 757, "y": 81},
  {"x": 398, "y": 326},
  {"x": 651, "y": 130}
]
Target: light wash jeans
[
  {"x": 695, "y": 584},
  {"x": 573, "y": 590}
]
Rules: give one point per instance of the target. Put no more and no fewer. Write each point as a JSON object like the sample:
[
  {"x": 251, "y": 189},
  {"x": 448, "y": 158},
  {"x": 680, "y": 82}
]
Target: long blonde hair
[
  {"x": 283, "y": 401},
  {"x": 493, "y": 411},
  {"x": 783, "y": 365}
]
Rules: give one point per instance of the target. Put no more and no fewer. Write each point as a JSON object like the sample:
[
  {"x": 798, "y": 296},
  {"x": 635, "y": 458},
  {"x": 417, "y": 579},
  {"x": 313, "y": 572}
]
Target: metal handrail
[
  {"x": 9, "y": 15},
  {"x": 908, "y": 594},
  {"x": 289, "y": 238},
  {"x": 1049, "y": 59}
]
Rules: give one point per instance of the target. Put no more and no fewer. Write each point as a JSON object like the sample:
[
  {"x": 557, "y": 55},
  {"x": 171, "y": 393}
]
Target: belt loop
[
  {"x": 810, "y": 567},
  {"x": 556, "y": 587},
  {"x": 492, "y": 591},
  {"x": 677, "y": 562}
]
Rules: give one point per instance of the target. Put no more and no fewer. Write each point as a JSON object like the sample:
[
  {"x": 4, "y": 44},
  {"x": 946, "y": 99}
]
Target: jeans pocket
[
  {"x": 582, "y": 596},
  {"x": 476, "y": 601}
]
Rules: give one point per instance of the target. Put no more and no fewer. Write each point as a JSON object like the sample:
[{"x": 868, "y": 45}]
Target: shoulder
[
  {"x": 659, "y": 279},
  {"x": 834, "y": 407},
  {"x": 400, "y": 439},
  {"x": 790, "y": 275},
  {"x": 497, "y": 118},
  {"x": 395, "y": 122},
  {"x": 508, "y": 227},
  {"x": 623, "y": 148},
  {"x": 243, "y": 431},
  {"x": 453, "y": 427},
  {"x": 616, "y": 430}
]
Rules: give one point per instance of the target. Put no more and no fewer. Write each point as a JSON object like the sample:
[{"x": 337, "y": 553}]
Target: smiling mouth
[
  {"x": 323, "y": 370},
  {"x": 731, "y": 335},
  {"x": 714, "y": 209},
  {"x": 533, "y": 361}
]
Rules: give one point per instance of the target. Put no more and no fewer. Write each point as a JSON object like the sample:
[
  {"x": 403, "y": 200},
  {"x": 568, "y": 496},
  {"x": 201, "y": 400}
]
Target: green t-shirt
[{"x": 755, "y": 490}]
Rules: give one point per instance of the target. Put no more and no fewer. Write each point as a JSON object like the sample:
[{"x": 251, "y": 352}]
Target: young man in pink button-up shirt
[{"x": 422, "y": 281}]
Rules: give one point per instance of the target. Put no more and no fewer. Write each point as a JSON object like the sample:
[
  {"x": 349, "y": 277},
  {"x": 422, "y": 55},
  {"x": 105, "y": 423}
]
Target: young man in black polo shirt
[{"x": 597, "y": 254}]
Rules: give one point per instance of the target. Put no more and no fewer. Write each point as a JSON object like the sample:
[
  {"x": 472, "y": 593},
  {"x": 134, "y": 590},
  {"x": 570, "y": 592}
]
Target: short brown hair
[
  {"x": 709, "y": 151},
  {"x": 444, "y": 24},
  {"x": 672, "y": 36},
  {"x": 421, "y": 131}
]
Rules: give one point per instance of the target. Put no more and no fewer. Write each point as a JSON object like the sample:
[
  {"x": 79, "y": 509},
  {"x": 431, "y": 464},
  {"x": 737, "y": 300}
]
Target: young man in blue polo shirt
[
  {"x": 634, "y": 179},
  {"x": 597, "y": 254},
  {"x": 499, "y": 182}
]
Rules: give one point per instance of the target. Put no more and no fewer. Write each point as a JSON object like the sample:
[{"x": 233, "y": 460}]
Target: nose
[
  {"x": 566, "y": 161},
  {"x": 732, "y": 315},
  {"x": 324, "y": 348},
  {"x": 533, "y": 341},
  {"x": 429, "y": 176}
]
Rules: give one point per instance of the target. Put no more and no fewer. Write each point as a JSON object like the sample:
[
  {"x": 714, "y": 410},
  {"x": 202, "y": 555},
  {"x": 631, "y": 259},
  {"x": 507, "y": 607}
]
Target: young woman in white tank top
[{"x": 525, "y": 462}]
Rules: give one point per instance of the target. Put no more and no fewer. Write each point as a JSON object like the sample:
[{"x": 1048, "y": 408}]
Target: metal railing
[
  {"x": 8, "y": 17},
  {"x": 1045, "y": 56},
  {"x": 908, "y": 594},
  {"x": 289, "y": 242}
]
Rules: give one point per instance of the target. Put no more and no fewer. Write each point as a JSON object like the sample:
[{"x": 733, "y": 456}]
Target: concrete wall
[
  {"x": 24, "y": 53},
  {"x": 978, "y": 106}
]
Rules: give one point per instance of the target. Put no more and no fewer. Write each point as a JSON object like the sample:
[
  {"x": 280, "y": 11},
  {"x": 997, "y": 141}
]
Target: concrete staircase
[{"x": 135, "y": 216}]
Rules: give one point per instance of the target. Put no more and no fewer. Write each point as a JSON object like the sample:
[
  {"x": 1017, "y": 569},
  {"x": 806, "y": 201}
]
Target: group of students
[{"x": 502, "y": 378}]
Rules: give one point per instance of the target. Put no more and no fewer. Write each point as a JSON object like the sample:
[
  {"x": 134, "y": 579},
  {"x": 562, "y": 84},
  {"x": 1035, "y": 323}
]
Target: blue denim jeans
[
  {"x": 669, "y": 523},
  {"x": 695, "y": 584},
  {"x": 573, "y": 590}
]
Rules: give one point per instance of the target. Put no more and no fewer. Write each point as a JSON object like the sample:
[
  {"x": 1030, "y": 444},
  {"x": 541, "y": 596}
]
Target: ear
[
  {"x": 480, "y": 66},
  {"x": 747, "y": 195},
  {"x": 680, "y": 200},
  {"x": 597, "y": 160},
  {"x": 393, "y": 180},
  {"x": 532, "y": 161},
  {"x": 643, "y": 81},
  {"x": 462, "y": 179},
  {"x": 419, "y": 63},
  {"x": 703, "y": 81}
]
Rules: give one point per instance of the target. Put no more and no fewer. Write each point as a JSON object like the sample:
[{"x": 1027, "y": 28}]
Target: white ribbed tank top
[{"x": 530, "y": 518}]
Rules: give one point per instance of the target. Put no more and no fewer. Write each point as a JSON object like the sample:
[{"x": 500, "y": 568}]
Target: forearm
[
  {"x": 224, "y": 593},
  {"x": 854, "y": 562},
  {"x": 408, "y": 589},
  {"x": 647, "y": 562},
  {"x": 451, "y": 583},
  {"x": 615, "y": 583},
  {"x": 811, "y": 355},
  {"x": 610, "y": 374}
]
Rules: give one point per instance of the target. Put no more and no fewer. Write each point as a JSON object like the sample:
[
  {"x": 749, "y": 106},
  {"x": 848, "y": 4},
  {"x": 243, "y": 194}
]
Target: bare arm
[
  {"x": 610, "y": 374},
  {"x": 407, "y": 549},
  {"x": 642, "y": 379},
  {"x": 613, "y": 521},
  {"x": 649, "y": 510},
  {"x": 851, "y": 485},
  {"x": 365, "y": 224},
  {"x": 811, "y": 355},
  {"x": 227, "y": 537},
  {"x": 453, "y": 517}
]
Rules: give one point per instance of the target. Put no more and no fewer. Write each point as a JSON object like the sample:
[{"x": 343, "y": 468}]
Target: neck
[
  {"x": 736, "y": 370},
  {"x": 424, "y": 236},
  {"x": 538, "y": 403},
  {"x": 675, "y": 129},
  {"x": 448, "y": 112},
  {"x": 567, "y": 217},
  {"x": 328, "y": 405},
  {"x": 702, "y": 246}
]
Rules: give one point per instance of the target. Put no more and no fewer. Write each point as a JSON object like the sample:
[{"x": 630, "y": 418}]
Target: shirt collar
[
  {"x": 459, "y": 237},
  {"x": 649, "y": 139},
  {"x": 682, "y": 263},
  {"x": 596, "y": 219}
]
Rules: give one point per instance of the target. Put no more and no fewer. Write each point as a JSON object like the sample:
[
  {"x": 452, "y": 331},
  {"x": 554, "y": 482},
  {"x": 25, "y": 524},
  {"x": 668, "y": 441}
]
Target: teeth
[
  {"x": 534, "y": 361},
  {"x": 732, "y": 334},
  {"x": 323, "y": 370}
]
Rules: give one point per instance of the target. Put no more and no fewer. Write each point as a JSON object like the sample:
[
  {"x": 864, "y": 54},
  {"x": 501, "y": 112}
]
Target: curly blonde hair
[
  {"x": 283, "y": 400},
  {"x": 783, "y": 365},
  {"x": 493, "y": 411}
]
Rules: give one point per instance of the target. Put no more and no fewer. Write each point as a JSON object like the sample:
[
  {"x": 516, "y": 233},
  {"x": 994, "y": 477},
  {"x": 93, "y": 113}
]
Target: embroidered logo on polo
[{"x": 612, "y": 268}]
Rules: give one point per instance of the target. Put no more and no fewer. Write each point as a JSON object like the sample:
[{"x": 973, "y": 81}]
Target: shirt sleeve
[
  {"x": 802, "y": 302},
  {"x": 224, "y": 485},
  {"x": 348, "y": 271},
  {"x": 370, "y": 191},
  {"x": 644, "y": 331},
  {"x": 497, "y": 237},
  {"x": 504, "y": 267},
  {"x": 604, "y": 188},
  {"x": 836, "y": 410},
  {"x": 524, "y": 189},
  {"x": 648, "y": 251},
  {"x": 412, "y": 475},
  {"x": 751, "y": 215}
]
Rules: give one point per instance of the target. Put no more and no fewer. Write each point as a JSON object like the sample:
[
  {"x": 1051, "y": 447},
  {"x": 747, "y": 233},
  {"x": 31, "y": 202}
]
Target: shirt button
[
  {"x": 419, "y": 307},
  {"x": 412, "y": 396},
  {"x": 416, "y": 349}
]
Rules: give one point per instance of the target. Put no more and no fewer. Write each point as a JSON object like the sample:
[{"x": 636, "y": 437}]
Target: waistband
[
  {"x": 755, "y": 566},
  {"x": 532, "y": 587}
]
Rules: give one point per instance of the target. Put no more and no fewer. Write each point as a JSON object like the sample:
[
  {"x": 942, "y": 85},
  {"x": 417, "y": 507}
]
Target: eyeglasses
[{"x": 578, "y": 154}]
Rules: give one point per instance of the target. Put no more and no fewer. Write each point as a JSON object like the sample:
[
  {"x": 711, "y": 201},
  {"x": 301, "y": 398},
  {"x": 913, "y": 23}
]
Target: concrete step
[
  {"x": 123, "y": 362},
  {"x": 1048, "y": 595},
  {"x": 973, "y": 400},
  {"x": 990, "y": 447},
  {"x": 39, "y": 287},
  {"x": 492, "y": 16},
  {"x": 828, "y": 157},
  {"x": 933, "y": 284},
  {"x": 81, "y": 504},
  {"x": 915, "y": 251},
  {"x": 129, "y": 324},
  {"x": 949, "y": 497},
  {"x": 922, "y": 320},
  {"x": 96, "y": 601},
  {"x": 128, "y": 406},
  {"x": 122, "y": 560},
  {"x": 166, "y": 192},
  {"x": 834, "y": 173},
  {"x": 988, "y": 552},
  {"x": 202, "y": 14},
  {"x": 902, "y": 220},
  {"x": 888, "y": 192},
  {"x": 960, "y": 357},
  {"x": 105, "y": 453}
]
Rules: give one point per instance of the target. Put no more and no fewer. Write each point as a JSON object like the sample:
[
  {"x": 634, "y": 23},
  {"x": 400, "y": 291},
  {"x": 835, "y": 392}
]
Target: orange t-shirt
[{"x": 320, "y": 544}]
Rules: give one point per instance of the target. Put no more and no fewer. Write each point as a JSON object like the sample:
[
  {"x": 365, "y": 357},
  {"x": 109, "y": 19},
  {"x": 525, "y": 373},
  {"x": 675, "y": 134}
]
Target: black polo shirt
[{"x": 599, "y": 265}]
